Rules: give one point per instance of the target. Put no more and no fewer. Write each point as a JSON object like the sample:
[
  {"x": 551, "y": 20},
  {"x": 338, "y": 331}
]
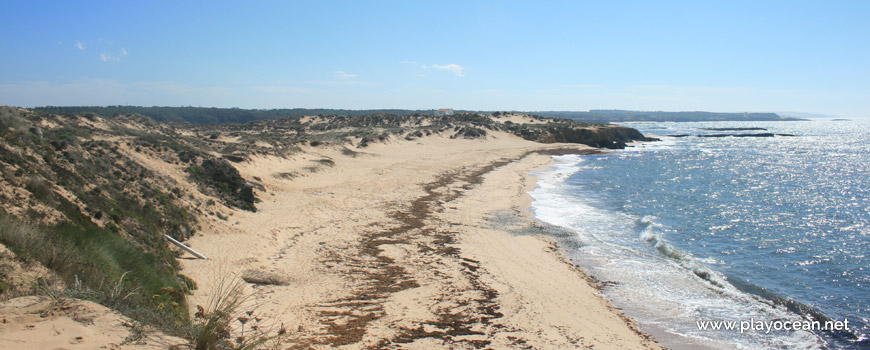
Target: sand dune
[{"x": 38, "y": 322}]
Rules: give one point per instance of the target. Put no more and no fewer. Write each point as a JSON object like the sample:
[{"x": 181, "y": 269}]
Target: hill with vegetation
[{"x": 211, "y": 115}]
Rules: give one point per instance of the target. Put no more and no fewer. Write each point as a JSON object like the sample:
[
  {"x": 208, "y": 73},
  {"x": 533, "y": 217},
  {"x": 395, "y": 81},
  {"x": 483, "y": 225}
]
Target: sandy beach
[{"x": 407, "y": 244}]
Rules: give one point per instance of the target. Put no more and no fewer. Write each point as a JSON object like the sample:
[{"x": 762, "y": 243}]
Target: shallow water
[{"x": 726, "y": 229}]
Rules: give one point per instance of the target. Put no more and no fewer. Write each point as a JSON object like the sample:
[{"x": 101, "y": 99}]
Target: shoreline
[
  {"x": 650, "y": 317},
  {"x": 566, "y": 238},
  {"x": 394, "y": 246},
  {"x": 519, "y": 223}
]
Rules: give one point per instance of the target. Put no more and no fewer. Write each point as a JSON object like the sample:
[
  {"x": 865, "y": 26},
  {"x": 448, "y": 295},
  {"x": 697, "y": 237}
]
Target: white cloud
[
  {"x": 107, "y": 58},
  {"x": 455, "y": 68},
  {"x": 79, "y": 45},
  {"x": 343, "y": 76}
]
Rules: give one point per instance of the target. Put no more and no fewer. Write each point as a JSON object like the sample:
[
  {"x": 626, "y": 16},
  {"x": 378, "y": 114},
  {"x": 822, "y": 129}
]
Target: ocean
[{"x": 760, "y": 235}]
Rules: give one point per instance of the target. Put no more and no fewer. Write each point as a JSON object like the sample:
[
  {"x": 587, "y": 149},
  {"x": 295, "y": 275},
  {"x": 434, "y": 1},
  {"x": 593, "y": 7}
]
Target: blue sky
[{"x": 729, "y": 56}]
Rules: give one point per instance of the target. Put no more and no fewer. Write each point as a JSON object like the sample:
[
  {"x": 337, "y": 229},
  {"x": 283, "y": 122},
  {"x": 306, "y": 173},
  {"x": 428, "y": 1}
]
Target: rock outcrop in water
[
  {"x": 765, "y": 134},
  {"x": 733, "y": 129},
  {"x": 608, "y": 136}
]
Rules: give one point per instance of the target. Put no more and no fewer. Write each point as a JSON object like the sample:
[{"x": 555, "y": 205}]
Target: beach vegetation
[
  {"x": 37, "y": 187},
  {"x": 98, "y": 265},
  {"x": 230, "y": 321},
  {"x": 222, "y": 178}
]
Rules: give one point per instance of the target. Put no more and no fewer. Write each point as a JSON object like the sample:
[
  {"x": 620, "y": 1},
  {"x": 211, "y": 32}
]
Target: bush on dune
[{"x": 222, "y": 177}]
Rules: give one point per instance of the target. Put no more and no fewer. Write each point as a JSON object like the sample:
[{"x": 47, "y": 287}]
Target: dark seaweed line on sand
[{"x": 381, "y": 276}]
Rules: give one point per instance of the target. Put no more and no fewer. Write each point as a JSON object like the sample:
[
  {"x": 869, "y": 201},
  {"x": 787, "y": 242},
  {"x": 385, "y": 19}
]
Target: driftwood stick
[{"x": 186, "y": 248}]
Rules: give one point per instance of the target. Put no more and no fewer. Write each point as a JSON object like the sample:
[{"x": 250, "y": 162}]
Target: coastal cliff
[{"x": 609, "y": 136}]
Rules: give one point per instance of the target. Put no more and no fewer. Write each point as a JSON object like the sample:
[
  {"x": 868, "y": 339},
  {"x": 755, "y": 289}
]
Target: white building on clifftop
[{"x": 444, "y": 111}]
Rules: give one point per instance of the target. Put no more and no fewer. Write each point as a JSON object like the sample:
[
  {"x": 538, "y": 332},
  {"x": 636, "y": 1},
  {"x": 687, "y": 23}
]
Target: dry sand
[
  {"x": 409, "y": 244},
  {"x": 38, "y": 322},
  {"x": 397, "y": 247}
]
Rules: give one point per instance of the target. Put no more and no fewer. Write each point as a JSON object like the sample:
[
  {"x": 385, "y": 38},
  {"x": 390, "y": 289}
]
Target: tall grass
[
  {"x": 213, "y": 326},
  {"x": 102, "y": 266},
  {"x": 30, "y": 243}
]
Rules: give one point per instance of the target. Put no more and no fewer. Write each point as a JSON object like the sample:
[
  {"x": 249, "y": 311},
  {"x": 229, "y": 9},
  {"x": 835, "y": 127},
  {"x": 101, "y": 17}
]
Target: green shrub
[
  {"x": 101, "y": 266},
  {"x": 38, "y": 187},
  {"x": 222, "y": 177}
]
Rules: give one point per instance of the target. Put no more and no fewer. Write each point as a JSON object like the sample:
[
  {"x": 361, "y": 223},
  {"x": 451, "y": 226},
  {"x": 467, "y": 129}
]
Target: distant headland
[{"x": 616, "y": 115}]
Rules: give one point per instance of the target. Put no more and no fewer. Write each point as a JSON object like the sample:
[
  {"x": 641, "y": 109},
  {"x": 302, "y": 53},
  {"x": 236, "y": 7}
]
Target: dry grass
[
  {"x": 223, "y": 324},
  {"x": 31, "y": 243}
]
